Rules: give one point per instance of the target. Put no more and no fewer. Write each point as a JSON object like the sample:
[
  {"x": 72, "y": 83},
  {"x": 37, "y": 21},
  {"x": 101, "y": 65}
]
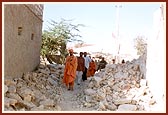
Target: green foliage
[
  {"x": 140, "y": 44},
  {"x": 55, "y": 39}
]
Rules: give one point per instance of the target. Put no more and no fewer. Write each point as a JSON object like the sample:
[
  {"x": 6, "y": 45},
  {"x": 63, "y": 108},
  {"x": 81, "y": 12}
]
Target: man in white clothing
[
  {"x": 87, "y": 61},
  {"x": 80, "y": 68}
]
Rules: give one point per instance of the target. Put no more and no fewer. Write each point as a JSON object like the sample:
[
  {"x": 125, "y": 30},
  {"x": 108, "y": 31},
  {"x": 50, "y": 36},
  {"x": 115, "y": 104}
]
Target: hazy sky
[{"x": 100, "y": 19}]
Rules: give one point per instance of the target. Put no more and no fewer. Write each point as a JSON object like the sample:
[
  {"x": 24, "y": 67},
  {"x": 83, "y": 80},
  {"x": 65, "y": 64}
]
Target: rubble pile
[
  {"x": 35, "y": 91},
  {"x": 119, "y": 87}
]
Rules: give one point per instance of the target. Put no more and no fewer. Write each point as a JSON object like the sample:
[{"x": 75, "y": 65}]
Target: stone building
[{"x": 22, "y": 38}]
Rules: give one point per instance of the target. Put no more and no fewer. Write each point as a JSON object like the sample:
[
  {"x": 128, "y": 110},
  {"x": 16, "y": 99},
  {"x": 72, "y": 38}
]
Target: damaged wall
[{"x": 22, "y": 38}]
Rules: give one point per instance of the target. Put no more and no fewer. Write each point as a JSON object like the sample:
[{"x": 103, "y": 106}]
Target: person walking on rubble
[
  {"x": 70, "y": 70},
  {"x": 123, "y": 61},
  {"x": 102, "y": 64},
  {"x": 92, "y": 68},
  {"x": 80, "y": 68},
  {"x": 113, "y": 61},
  {"x": 87, "y": 61}
]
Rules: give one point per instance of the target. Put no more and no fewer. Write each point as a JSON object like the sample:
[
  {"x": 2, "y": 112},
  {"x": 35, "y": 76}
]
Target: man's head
[
  {"x": 81, "y": 54},
  {"x": 93, "y": 58},
  {"x": 123, "y": 61},
  {"x": 103, "y": 58},
  {"x": 113, "y": 60},
  {"x": 85, "y": 53},
  {"x": 71, "y": 51}
]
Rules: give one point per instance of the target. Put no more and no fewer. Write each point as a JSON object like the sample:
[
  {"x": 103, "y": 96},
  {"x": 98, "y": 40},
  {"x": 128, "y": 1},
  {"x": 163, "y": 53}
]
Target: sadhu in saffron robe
[{"x": 70, "y": 71}]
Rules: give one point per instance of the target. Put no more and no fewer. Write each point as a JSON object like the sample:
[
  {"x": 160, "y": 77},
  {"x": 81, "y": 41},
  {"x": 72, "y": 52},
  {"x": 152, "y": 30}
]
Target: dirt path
[{"x": 72, "y": 100}]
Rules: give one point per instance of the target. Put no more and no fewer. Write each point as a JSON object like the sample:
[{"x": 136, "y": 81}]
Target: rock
[
  {"x": 112, "y": 107},
  {"x": 143, "y": 82},
  {"x": 122, "y": 101},
  {"x": 12, "y": 89},
  {"x": 9, "y": 82},
  {"x": 48, "y": 87},
  {"x": 9, "y": 109},
  {"x": 96, "y": 81},
  {"x": 89, "y": 92},
  {"x": 127, "y": 107},
  {"x": 101, "y": 106},
  {"x": 88, "y": 105},
  {"x": 27, "y": 98},
  {"x": 118, "y": 75},
  {"x": 152, "y": 102},
  {"x": 136, "y": 67},
  {"x": 27, "y": 105},
  {"x": 132, "y": 72},
  {"x": 126, "y": 87},
  {"x": 58, "y": 108},
  {"x": 88, "y": 98},
  {"x": 26, "y": 76},
  {"x": 26, "y": 91},
  {"x": 47, "y": 103},
  {"x": 6, "y": 102},
  {"x": 51, "y": 81},
  {"x": 45, "y": 71},
  {"x": 109, "y": 98},
  {"x": 40, "y": 108},
  {"x": 134, "y": 102},
  {"x": 9, "y": 101},
  {"x": 14, "y": 96},
  {"x": 116, "y": 87},
  {"x": 5, "y": 89}
]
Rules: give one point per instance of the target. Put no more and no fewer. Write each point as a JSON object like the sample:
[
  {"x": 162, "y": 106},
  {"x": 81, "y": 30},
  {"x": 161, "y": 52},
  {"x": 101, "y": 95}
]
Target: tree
[
  {"x": 55, "y": 39},
  {"x": 141, "y": 45}
]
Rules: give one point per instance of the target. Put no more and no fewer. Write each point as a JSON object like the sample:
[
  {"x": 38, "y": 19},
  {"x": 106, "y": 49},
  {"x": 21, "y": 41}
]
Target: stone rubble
[
  {"x": 35, "y": 91},
  {"x": 118, "y": 87}
]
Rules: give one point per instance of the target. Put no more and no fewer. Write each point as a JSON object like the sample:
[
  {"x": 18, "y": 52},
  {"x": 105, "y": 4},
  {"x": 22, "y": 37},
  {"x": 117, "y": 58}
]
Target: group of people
[{"x": 80, "y": 67}]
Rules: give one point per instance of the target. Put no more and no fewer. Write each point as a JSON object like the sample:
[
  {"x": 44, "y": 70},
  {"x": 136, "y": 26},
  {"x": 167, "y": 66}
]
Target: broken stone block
[
  {"x": 89, "y": 92},
  {"x": 101, "y": 106},
  {"x": 14, "y": 96},
  {"x": 96, "y": 81},
  {"x": 47, "y": 103},
  {"x": 40, "y": 108},
  {"x": 112, "y": 107},
  {"x": 5, "y": 89},
  {"x": 51, "y": 81},
  {"x": 27, "y": 98},
  {"x": 143, "y": 82},
  {"x": 136, "y": 67},
  {"x": 122, "y": 101},
  {"x": 9, "y": 82},
  {"x": 127, "y": 107},
  {"x": 12, "y": 89},
  {"x": 9, "y": 101}
]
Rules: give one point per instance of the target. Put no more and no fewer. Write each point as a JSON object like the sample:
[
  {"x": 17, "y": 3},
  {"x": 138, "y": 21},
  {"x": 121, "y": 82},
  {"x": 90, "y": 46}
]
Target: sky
[{"x": 100, "y": 20}]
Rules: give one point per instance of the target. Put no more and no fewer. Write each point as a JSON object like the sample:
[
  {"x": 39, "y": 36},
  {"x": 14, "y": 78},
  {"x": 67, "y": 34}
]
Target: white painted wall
[{"x": 156, "y": 58}]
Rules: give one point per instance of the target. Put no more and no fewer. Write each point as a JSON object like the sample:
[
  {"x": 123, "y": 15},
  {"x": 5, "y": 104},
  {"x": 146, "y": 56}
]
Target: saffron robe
[
  {"x": 70, "y": 70},
  {"x": 92, "y": 69}
]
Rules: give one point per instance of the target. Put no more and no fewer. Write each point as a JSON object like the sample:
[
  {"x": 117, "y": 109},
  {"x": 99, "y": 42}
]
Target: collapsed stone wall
[
  {"x": 35, "y": 91},
  {"x": 118, "y": 87}
]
